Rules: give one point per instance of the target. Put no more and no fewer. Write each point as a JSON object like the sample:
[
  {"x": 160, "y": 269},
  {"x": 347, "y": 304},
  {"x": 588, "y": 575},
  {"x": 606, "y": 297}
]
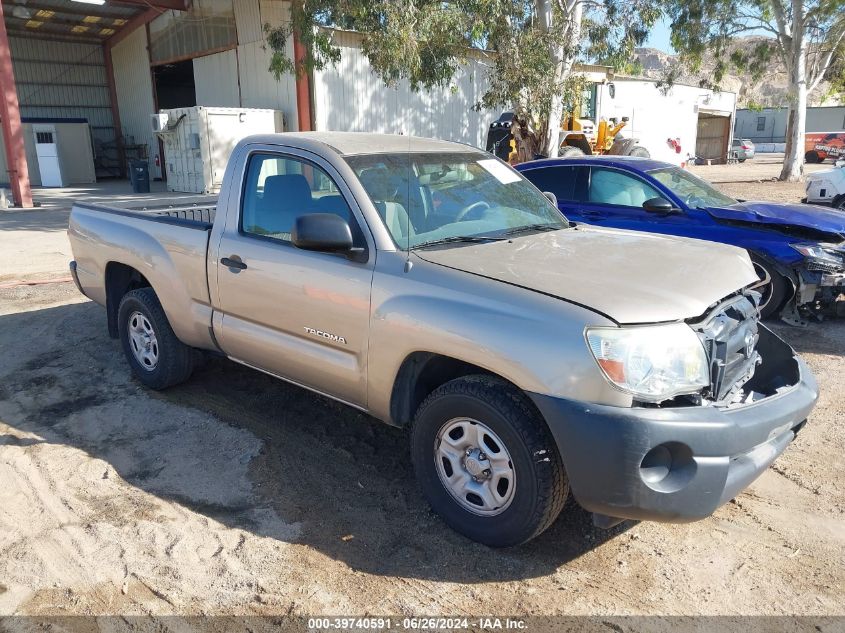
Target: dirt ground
[
  {"x": 238, "y": 494},
  {"x": 756, "y": 179}
]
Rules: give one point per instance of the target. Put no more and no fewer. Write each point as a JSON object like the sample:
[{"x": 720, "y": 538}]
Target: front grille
[
  {"x": 823, "y": 267},
  {"x": 730, "y": 334}
]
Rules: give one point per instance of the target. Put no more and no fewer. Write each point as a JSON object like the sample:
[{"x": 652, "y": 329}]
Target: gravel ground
[
  {"x": 756, "y": 179},
  {"x": 238, "y": 494}
]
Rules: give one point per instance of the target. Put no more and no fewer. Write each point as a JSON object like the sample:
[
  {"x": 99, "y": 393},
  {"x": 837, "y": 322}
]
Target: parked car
[
  {"x": 435, "y": 288},
  {"x": 798, "y": 251},
  {"x": 827, "y": 187},
  {"x": 743, "y": 148}
]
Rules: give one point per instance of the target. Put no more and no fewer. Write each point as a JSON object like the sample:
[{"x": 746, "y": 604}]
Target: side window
[
  {"x": 609, "y": 186},
  {"x": 279, "y": 189},
  {"x": 761, "y": 124},
  {"x": 561, "y": 181}
]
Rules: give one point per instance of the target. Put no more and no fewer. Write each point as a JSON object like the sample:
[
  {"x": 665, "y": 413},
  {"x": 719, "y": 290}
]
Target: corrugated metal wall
[
  {"x": 134, "y": 88},
  {"x": 258, "y": 87},
  {"x": 61, "y": 80},
  {"x": 216, "y": 80},
  {"x": 349, "y": 97}
]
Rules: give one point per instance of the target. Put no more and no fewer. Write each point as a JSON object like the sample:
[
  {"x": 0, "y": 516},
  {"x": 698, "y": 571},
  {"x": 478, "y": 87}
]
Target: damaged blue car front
[{"x": 797, "y": 249}]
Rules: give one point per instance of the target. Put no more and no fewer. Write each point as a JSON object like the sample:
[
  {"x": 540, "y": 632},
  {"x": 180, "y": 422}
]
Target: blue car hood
[{"x": 787, "y": 216}]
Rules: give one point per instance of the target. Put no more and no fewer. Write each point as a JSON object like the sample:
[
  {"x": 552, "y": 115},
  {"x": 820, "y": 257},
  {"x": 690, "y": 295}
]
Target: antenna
[{"x": 408, "y": 263}]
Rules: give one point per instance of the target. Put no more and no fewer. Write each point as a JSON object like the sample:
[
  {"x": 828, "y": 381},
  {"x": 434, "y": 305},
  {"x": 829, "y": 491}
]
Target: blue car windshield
[{"x": 694, "y": 191}]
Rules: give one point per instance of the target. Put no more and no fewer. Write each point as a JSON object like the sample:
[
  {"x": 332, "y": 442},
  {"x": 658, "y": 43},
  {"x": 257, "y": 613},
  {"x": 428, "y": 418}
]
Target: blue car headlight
[{"x": 826, "y": 254}]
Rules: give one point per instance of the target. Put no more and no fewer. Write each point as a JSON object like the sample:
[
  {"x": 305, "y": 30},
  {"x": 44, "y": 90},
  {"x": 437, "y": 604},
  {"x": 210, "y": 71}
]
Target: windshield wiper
[
  {"x": 461, "y": 238},
  {"x": 535, "y": 227}
]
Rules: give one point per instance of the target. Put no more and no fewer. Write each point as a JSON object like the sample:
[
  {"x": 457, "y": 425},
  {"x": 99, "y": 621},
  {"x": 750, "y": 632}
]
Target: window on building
[
  {"x": 761, "y": 123},
  {"x": 209, "y": 25}
]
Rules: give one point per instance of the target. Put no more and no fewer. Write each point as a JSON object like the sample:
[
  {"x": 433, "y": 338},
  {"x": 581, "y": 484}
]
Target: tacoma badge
[{"x": 327, "y": 335}]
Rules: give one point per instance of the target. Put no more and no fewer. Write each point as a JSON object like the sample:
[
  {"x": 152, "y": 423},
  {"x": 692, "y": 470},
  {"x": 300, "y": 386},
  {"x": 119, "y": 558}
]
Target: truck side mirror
[
  {"x": 325, "y": 232},
  {"x": 660, "y": 206}
]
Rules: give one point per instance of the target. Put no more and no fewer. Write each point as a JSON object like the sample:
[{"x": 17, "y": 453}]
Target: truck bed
[
  {"x": 166, "y": 245},
  {"x": 196, "y": 215}
]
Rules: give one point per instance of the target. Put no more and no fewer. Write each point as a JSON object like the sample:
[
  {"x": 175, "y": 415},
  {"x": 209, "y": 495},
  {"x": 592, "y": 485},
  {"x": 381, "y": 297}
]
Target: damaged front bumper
[
  {"x": 818, "y": 289},
  {"x": 677, "y": 463}
]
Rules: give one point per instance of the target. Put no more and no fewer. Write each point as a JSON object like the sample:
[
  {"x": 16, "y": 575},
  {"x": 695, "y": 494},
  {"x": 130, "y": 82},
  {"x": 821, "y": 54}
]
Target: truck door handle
[{"x": 233, "y": 262}]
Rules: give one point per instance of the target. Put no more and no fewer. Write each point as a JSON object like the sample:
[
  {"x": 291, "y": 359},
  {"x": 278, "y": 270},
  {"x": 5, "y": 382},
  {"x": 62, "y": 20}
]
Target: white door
[{"x": 47, "y": 151}]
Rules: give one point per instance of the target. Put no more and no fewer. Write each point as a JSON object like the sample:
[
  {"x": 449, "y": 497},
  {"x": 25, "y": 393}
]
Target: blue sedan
[{"x": 797, "y": 249}]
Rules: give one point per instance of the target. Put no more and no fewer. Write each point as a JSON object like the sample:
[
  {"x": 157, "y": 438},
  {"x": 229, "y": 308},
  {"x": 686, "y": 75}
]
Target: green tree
[
  {"x": 533, "y": 45},
  {"x": 806, "y": 36}
]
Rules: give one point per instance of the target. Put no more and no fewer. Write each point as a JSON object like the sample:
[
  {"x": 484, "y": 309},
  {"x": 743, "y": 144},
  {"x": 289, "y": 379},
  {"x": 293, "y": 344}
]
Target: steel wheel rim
[
  {"x": 474, "y": 466},
  {"x": 143, "y": 341},
  {"x": 764, "y": 286}
]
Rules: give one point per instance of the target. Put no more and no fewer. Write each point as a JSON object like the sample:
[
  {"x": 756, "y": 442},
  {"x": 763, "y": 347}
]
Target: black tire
[
  {"x": 639, "y": 151},
  {"x": 541, "y": 486},
  {"x": 812, "y": 157},
  {"x": 839, "y": 203},
  {"x": 569, "y": 151},
  {"x": 776, "y": 292},
  {"x": 742, "y": 160},
  {"x": 175, "y": 360}
]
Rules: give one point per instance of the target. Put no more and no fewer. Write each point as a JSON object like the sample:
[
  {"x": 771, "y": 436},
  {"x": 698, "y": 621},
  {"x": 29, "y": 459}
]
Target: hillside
[{"x": 768, "y": 91}]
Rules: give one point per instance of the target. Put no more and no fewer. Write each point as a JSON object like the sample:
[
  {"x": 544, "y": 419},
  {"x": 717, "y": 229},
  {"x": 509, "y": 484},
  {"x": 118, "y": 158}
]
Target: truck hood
[
  {"x": 629, "y": 276},
  {"x": 802, "y": 220}
]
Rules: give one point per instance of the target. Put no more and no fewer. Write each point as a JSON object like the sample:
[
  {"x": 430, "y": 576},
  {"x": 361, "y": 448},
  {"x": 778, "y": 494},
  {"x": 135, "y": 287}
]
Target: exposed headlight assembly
[
  {"x": 826, "y": 253},
  {"x": 653, "y": 363}
]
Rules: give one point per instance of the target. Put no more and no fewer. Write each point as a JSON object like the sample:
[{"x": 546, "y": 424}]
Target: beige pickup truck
[{"x": 430, "y": 285}]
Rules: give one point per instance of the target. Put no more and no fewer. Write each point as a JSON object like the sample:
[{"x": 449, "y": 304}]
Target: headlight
[
  {"x": 826, "y": 253},
  {"x": 653, "y": 363}
]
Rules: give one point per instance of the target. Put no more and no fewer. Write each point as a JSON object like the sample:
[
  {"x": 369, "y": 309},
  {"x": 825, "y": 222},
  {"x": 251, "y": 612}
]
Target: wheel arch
[
  {"x": 420, "y": 374},
  {"x": 119, "y": 279}
]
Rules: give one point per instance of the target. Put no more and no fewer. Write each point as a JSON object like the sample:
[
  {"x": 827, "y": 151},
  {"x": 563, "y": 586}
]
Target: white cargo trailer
[{"x": 198, "y": 141}]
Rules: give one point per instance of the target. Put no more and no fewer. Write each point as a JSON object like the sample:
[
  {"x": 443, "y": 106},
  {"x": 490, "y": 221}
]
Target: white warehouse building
[{"x": 108, "y": 68}]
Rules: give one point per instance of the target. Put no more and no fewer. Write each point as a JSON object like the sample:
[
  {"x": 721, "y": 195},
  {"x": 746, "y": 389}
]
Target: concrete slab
[{"x": 113, "y": 192}]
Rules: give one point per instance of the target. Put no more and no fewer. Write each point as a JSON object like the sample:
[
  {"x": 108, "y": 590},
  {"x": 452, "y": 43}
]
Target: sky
[{"x": 659, "y": 37}]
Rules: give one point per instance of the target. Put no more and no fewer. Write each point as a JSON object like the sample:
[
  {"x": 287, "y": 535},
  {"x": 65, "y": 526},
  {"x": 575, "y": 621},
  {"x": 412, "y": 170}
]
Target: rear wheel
[
  {"x": 773, "y": 287},
  {"x": 486, "y": 461},
  {"x": 812, "y": 157},
  {"x": 568, "y": 151},
  {"x": 157, "y": 358}
]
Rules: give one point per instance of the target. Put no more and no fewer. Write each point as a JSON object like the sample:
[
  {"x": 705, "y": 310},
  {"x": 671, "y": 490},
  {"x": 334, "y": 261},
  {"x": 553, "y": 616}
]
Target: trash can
[{"x": 139, "y": 176}]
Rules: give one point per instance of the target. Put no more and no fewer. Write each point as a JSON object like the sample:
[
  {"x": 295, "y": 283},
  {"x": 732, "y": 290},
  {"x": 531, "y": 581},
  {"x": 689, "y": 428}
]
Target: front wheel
[
  {"x": 486, "y": 461},
  {"x": 639, "y": 151},
  {"x": 773, "y": 287},
  {"x": 157, "y": 358}
]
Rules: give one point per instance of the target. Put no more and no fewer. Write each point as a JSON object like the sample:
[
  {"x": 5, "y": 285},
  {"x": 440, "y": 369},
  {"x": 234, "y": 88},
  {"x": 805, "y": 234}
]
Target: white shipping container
[{"x": 199, "y": 140}]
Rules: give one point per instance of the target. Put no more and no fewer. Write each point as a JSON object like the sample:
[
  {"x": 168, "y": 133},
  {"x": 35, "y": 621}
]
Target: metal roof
[
  {"x": 78, "y": 20},
  {"x": 633, "y": 163},
  {"x": 352, "y": 143}
]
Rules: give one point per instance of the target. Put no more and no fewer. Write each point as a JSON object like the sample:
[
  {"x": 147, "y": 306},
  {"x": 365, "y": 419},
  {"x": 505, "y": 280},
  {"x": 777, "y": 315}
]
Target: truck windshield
[
  {"x": 425, "y": 198},
  {"x": 694, "y": 191}
]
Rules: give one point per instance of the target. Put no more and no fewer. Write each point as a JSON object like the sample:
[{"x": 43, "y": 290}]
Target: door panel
[
  {"x": 301, "y": 315},
  {"x": 47, "y": 151}
]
